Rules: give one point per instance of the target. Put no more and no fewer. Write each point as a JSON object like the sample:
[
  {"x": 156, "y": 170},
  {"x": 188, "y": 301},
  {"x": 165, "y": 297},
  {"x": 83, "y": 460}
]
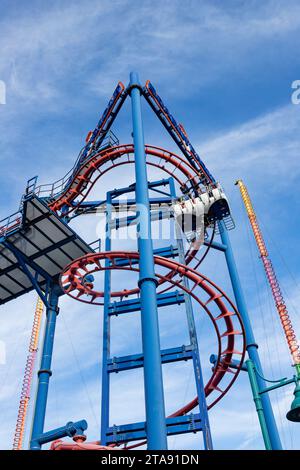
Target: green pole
[
  {"x": 294, "y": 413},
  {"x": 258, "y": 403}
]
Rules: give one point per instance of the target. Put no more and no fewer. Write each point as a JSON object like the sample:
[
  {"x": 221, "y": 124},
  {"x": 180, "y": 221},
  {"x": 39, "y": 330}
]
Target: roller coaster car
[
  {"x": 88, "y": 281},
  {"x": 189, "y": 214},
  {"x": 218, "y": 207},
  {"x": 213, "y": 205}
]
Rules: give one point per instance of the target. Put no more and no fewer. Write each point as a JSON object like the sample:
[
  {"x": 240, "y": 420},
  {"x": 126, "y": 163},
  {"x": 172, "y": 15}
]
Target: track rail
[
  {"x": 221, "y": 311},
  {"x": 68, "y": 194},
  {"x": 227, "y": 323},
  {"x": 99, "y": 164}
]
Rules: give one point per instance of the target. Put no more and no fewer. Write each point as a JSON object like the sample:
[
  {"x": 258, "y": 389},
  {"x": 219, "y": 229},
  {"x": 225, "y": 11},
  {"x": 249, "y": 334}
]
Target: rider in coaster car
[{"x": 88, "y": 281}]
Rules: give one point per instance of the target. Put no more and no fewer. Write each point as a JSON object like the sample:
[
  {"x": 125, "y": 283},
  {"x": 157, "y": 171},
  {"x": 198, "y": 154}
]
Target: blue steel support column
[
  {"x": 207, "y": 439},
  {"x": 45, "y": 373},
  {"x": 154, "y": 395},
  {"x": 70, "y": 429},
  {"x": 106, "y": 329},
  {"x": 252, "y": 347}
]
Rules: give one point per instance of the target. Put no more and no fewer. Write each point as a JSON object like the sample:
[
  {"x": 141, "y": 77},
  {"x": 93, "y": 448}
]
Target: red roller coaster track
[
  {"x": 91, "y": 170},
  {"x": 226, "y": 322},
  {"x": 224, "y": 316},
  {"x": 68, "y": 194}
]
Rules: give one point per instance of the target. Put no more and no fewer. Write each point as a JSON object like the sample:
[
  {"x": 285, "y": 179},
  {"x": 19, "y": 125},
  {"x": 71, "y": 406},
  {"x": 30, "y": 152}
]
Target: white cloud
[
  {"x": 91, "y": 43},
  {"x": 264, "y": 148}
]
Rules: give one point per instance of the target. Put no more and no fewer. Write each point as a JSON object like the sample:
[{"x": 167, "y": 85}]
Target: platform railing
[
  {"x": 96, "y": 245},
  {"x": 10, "y": 223},
  {"x": 53, "y": 190}
]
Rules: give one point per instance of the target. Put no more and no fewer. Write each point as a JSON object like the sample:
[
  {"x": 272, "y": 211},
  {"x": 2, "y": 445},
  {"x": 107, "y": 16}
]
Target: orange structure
[
  {"x": 272, "y": 279},
  {"x": 29, "y": 369}
]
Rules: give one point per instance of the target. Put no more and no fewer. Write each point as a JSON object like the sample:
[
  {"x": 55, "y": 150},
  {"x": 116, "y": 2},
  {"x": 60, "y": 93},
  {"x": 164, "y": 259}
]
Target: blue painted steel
[
  {"x": 44, "y": 373},
  {"x": 234, "y": 364},
  {"x": 207, "y": 439},
  {"x": 131, "y": 188},
  {"x": 115, "y": 308},
  {"x": 23, "y": 263},
  {"x": 154, "y": 395},
  {"x": 130, "y": 202},
  {"x": 136, "y": 431},
  {"x": 216, "y": 245},
  {"x": 135, "y": 361},
  {"x": 134, "y": 305},
  {"x": 159, "y": 214},
  {"x": 175, "y": 131},
  {"x": 252, "y": 346},
  {"x": 105, "y": 399},
  {"x": 126, "y": 221},
  {"x": 25, "y": 260},
  {"x": 105, "y": 119},
  {"x": 167, "y": 252},
  {"x": 69, "y": 430}
]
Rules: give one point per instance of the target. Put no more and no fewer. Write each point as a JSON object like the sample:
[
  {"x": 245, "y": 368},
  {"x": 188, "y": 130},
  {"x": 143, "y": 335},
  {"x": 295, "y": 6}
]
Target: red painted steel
[
  {"x": 28, "y": 375},
  {"x": 224, "y": 316},
  {"x": 82, "y": 181},
  {"x": 271, "y": 277}
]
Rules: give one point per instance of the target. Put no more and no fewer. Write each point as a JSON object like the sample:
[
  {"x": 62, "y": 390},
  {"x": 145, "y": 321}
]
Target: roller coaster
[{"x": 39, "y": 251}]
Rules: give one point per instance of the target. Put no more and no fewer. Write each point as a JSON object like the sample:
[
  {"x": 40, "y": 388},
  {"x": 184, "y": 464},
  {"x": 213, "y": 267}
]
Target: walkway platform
[{"x": 35, "y": 246}]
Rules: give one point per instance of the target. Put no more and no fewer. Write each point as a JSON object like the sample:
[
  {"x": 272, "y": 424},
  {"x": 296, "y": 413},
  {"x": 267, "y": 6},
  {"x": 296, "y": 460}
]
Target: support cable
[
  {"x": 272, "y": 279},
  {"x": 267, "y": 353}
]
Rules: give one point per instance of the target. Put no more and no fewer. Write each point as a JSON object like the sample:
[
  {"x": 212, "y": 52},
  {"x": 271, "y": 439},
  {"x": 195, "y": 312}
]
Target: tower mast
[{"x": 272, "y": 279}]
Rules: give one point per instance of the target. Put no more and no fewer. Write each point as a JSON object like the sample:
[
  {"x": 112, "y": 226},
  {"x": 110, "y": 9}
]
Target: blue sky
[{"x": 225, "y": 70}]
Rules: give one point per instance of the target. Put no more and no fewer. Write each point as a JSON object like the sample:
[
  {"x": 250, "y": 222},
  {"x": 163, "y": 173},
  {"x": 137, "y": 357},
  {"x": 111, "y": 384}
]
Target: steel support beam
[
  {"x": 207, "y": 439},
  {"x": 45, "y": 373},
  {"x": 118, "y": 364},
  {"x": 137, "y": 431},
  {"x": 105, "y": 398},
  {"x": 153, "y": 382},
  {"x": 167, "y": 252},
  {"x": 69, "y": 430},
  {"x": 251, "y": 345},
  {"x": 134, "y": 305}
]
